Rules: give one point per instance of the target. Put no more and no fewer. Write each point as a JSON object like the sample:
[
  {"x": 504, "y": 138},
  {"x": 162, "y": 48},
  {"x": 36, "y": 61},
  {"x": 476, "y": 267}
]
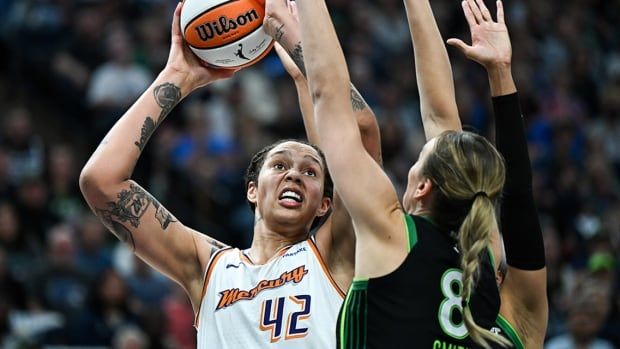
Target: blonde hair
[{"x": 469, "y": 173}]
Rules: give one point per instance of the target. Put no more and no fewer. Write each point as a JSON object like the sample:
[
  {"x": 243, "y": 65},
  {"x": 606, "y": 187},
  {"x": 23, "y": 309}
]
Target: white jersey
[{"x": 289, "y": 302}]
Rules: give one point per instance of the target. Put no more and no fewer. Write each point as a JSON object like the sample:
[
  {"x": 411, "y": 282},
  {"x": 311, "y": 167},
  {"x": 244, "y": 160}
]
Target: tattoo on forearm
[
  {"x": 167, "y": 96},
  {"x": 357, "y": 102},
  {"x": 298, "y": 57},
  {"x": 129, "y": 208},
  {"x": 279, "y": 33},
  {"x": 147, "y": 130}
]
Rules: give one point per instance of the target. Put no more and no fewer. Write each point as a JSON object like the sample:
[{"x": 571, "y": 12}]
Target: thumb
[{"x": 458, "y": 43}]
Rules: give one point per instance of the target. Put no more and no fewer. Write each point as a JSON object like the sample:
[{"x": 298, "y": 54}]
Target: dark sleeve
[{"x": 519, "y": 221}]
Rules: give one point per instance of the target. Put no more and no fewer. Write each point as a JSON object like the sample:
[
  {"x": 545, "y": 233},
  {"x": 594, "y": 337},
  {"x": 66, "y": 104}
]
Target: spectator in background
[
  {"x": 12, "y": 295},
  {"x": 130, "y": 337},
  {"x": 93, "y": 256},
  {"x": 7, "y": 189},
  {"x": 149, "y": 287},
  {"x": 65, "y": 200},
  {"x": 25, "y": 148},
  {"x": 588, "y": 309},
  {"x": 33, "y": 210},
  {"x": 21, "y": 250},
  {"x": 59, "y": 285},
  {"x": 118, "y": 82},
  {"x": 107, "y": 311},
  {"x": 179, "y": 320}
]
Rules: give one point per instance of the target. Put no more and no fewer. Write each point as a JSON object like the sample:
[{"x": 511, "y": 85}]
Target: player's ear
[
  {"x": 423, "y": 189},
  {"x": 326, "y": 203},
  {"x": 252, "y": 193}
]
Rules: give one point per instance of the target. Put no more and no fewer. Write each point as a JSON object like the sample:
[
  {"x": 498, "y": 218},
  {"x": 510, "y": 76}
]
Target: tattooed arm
[
  {"x": 281, "y": 23},
  {"x": 336, "y": 237},
  {"x": 433, "y": 71},
  {"x": 126, "y": 209}
]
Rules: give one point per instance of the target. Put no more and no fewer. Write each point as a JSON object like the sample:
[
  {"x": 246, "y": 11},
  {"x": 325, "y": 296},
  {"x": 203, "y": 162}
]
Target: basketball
[{"x": 226, "y": 33}]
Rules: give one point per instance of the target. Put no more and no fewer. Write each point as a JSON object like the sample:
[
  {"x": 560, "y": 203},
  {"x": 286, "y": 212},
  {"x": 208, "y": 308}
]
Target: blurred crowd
[{"x": 70, "y": 68}]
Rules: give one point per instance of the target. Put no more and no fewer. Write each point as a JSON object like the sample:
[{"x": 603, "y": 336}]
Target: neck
[
  {"x": 267, "y": 242},
  {"x": 420, "y": 210}
]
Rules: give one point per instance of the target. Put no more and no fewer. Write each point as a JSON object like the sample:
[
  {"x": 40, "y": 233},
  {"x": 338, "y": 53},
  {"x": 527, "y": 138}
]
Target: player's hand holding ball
[
  {"x": 193, "y": 72},
  {"x": 226, "y": 33}
]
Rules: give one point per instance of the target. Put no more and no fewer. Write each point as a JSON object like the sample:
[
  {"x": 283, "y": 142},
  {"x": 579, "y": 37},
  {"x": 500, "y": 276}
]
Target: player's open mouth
[{"x": 291, "y": 195}]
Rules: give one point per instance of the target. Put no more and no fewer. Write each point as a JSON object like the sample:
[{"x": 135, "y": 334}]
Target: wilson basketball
[{"x": 226, "y": 33}]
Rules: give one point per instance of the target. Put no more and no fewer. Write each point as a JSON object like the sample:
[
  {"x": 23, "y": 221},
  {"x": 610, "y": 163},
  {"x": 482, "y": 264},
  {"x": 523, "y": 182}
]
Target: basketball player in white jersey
[{"x": 286, "y": 289}]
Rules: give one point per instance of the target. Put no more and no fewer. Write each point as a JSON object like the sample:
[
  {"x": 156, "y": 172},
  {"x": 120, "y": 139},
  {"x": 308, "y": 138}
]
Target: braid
[
  {"x": 470, "y": 174},
  {"x": 474, "y": 237}
]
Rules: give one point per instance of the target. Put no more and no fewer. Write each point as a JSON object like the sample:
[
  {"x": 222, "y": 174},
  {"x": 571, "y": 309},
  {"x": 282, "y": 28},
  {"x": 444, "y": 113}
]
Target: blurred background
[{"x": 70, "y": 68}]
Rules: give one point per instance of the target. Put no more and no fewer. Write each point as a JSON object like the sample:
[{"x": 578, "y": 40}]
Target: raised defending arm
[
  {"x": 524, "y": 293},
  {"x": 281, "y": 22},
  {"x": 379, "y": 224},
  {"x": 433, "y": 71}
]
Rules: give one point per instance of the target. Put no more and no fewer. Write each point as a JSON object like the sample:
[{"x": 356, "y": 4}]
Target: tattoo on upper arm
[
  {"x": 129, "y": 208},
  {"x": 218, "y": 245},
  {"x": 213, "y": 250},
  {"x": 357, "y": 102},
  {"x": 279, "y": 33},
  {"x": 147, "y": 130},
  {"x": 298, "y": 57},
  {"x": 118, "y": 229},
  {"x": 163, "y": 216}
]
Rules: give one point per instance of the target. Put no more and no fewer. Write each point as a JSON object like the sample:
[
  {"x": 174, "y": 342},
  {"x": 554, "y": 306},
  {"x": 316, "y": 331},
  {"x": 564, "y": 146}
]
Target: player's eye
[
  {"x": 278, "y": 166},
  {"x": 310, "y": 172}
]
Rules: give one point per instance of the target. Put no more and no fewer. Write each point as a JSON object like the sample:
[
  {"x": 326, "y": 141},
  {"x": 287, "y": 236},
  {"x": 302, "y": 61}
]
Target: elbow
[
  {"x": 327, "y": 87},
  {"x": 319, "y": 89},
  {"x": 87, "y": 182},
  {"x": 367, "y": 123},
  {"x": 93, "y": 185}
]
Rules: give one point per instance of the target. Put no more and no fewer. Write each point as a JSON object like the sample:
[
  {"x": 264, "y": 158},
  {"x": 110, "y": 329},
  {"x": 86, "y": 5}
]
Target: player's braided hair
[
  {"x": 251, "y": 173},
  {"x": 469, "y": 173}
]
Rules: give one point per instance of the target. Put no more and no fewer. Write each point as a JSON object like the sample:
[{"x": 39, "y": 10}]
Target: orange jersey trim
[
  {"x": 280, "y": 253},
  {"x": 210, "y": 268},
  {"x": 315, "y": 249}
]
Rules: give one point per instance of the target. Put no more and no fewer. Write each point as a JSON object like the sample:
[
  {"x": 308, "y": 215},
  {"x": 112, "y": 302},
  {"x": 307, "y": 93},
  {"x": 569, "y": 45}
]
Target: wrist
[
  {"x": 500, "y": 79},
  {"x": 499, "y": 68},
  {"x": 183, "y": 80}
]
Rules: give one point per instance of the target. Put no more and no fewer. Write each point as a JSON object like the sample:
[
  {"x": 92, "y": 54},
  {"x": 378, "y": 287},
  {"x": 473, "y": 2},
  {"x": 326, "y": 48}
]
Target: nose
[{"x": 293, "y": 175}]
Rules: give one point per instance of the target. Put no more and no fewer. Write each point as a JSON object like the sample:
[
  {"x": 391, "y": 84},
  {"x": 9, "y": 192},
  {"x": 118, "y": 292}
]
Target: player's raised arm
[
  {"x": 335, "y": 237},
  {"x": 357, "y": 177},
  {"x": 524, "y": 294},
  {"x": 433, "y": 71},
  {"x": 281, "y": 22},
  {"x": 125, "y": 208}
]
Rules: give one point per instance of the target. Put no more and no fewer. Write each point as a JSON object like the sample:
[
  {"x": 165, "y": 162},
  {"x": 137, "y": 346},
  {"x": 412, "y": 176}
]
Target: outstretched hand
[
  {"x": 490, "y": 40},
  {"x": 183, "y": 61}
]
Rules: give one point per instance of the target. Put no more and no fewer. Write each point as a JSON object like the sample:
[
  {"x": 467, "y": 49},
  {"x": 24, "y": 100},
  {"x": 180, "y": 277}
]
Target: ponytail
[
  {"x": 469, "y": 174},
  {"x": 474, "y": 237}
]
